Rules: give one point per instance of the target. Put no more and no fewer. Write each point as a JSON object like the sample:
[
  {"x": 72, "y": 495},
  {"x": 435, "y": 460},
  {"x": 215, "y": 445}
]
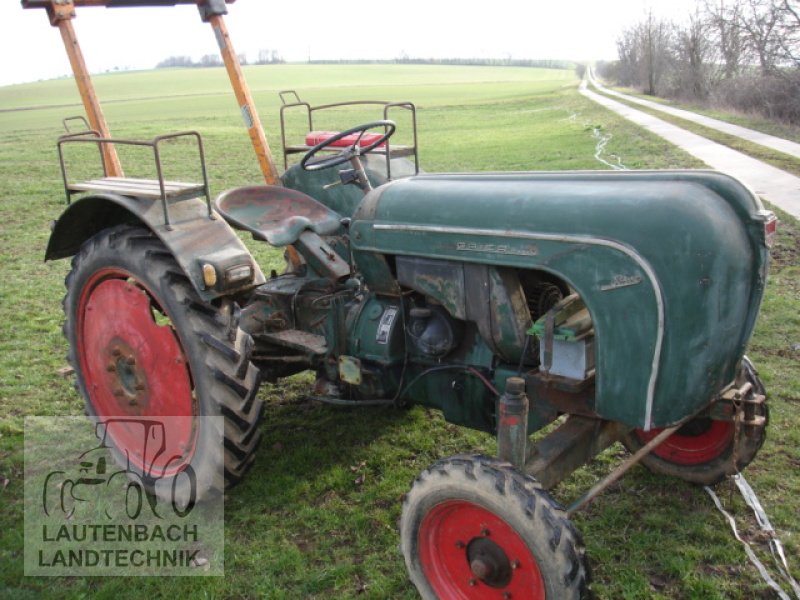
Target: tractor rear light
[
  {"x": 226, "y": 269},
  {"x": 238, "y": 273},
  {"x": 770, "y": 229}
]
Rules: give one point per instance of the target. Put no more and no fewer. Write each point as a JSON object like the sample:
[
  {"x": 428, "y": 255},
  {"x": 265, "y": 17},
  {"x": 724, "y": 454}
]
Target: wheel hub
[
  {"x": 128, "y": 380},
  {"x": 488, "y": 562}
]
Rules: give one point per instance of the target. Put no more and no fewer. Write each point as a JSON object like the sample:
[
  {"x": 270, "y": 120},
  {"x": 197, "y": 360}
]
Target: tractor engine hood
[{"x": 671, "y": 265}]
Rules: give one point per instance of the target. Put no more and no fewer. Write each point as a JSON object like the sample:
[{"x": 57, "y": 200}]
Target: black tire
[
  {"x": 503, "y": 513},
  {"x": 220, "y": 379},
  {"x": 712, "y": 443}
]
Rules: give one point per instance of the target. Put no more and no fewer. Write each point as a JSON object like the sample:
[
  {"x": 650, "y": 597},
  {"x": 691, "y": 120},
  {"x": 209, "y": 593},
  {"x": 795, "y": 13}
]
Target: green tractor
[{"x": 620, "y": 303}]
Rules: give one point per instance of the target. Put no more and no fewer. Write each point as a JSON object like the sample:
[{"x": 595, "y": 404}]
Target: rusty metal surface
[
  {"x": 565, "y": 395},
  {"x": 275, "y": 214},
  {"x": 193, "y": 234},
  {"x": 490, "y": 296},
  {"x": 321, "y": 257},
  {"x": 624, "y": 468},
  {"x": 569, "y": 447},
  {"x": 295, "y": 339}
]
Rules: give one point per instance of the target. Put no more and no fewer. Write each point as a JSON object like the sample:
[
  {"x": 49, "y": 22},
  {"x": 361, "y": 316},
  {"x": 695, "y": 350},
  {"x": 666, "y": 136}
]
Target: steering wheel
[{"x": 309, "y": 163}]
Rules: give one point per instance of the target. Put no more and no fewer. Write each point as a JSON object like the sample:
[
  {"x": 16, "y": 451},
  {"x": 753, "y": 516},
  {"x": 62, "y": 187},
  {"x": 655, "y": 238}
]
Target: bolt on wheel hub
[{"x": 488, "y": 562}]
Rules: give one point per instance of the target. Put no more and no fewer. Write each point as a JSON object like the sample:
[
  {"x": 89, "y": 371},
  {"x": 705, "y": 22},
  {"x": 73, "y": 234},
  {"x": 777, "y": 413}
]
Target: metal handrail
[
  {"x": 93, "y": 137},
  {"x": 387, "y": 106},
  {"x": 80, "y": 118}
]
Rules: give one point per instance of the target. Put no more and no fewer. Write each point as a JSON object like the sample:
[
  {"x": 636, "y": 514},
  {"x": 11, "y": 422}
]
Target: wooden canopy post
[
  {"x": 213, "y": 15},
  {"x": 61, "y": 13}
]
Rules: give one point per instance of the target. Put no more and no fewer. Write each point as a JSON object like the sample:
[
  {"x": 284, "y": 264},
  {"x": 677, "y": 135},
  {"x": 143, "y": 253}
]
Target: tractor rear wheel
[
  {"x": 144, "y": 346},
  {"x": 473, "y": 527},
  {"x": 702, "y": 451}
]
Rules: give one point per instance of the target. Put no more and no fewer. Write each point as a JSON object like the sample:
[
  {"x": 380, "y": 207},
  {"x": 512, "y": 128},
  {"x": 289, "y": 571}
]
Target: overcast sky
[{"x": 141, "y": 37}]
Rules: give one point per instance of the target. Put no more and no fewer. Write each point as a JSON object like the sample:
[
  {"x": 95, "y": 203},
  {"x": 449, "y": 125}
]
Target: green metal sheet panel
[{"x": 671, "y": 265}]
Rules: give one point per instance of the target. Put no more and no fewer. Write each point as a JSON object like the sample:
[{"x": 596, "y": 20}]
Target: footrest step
[{"x": 296, "y": 339}]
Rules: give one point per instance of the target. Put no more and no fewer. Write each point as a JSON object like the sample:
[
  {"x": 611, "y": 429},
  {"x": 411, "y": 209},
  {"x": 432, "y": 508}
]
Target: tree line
[
  {"x": 739, "y": 54},
  {"x": 265, "y": 57}
]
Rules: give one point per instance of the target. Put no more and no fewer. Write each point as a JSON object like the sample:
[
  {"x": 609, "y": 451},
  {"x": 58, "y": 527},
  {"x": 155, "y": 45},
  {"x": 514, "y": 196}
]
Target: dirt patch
[{"x": 786, "y": 251}]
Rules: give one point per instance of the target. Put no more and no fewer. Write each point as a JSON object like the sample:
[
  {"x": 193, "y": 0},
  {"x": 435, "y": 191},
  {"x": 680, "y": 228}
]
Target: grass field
[{"x": 316, "y": 517}]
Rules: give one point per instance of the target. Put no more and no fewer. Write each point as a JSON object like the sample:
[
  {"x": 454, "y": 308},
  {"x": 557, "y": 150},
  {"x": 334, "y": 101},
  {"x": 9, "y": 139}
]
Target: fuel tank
[{"x": 671, "y": 265}]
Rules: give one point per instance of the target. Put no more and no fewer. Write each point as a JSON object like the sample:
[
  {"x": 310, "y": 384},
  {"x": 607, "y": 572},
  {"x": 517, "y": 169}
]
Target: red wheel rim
[
  {"x": 696, "y": 443},
  {"x": 134, "y": 368},
  {"x": 468, "y": 552}
]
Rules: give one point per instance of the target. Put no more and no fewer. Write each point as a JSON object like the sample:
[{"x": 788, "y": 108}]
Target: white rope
[
  {"x": 602, "y": 140},
  {"x": 748, "y": 550},
  {"x": 775, "y": 545}
]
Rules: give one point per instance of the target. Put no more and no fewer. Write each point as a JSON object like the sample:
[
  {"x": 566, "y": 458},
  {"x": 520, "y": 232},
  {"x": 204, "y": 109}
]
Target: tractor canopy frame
[{"x": 62, "y": 12}]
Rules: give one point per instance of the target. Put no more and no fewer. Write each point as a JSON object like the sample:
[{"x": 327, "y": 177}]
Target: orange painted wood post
[
  {"x": 61, "y": 15},
  {"x": 245, "y": 100}
]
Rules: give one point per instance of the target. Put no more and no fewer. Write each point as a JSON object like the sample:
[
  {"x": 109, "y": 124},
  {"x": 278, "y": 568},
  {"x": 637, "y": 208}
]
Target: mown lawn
[{"x": 316, "y": 517}]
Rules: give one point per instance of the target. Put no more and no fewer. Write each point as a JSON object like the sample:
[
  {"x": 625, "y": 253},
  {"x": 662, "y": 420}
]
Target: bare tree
[
  {"x": 695, "y": 57},
  {"x": 741, "y": 54},
  {"x": 790, "y": 32},
  {"x": 629, "y": 52},
  {"x": 654, "y": 40},
  {"x": 724, "y": 18},
  {"x": 760, "y": 24},
  {"x": 644, "y": 53},
  {"x": 269, "y": 57}
]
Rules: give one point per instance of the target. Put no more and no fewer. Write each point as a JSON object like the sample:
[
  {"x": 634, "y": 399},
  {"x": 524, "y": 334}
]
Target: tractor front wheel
[
  {"x": 473, "y": 527},
  {"x": 704, "y": 450},
  {"x": 145, "y": 347}
]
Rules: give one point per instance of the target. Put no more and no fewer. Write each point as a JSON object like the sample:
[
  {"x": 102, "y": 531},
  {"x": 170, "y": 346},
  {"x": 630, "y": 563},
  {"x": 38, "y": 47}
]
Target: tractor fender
[{"x": 194, "y": 239}]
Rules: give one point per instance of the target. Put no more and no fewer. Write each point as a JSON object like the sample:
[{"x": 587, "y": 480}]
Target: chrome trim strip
[{"x": 579, "y": 239}]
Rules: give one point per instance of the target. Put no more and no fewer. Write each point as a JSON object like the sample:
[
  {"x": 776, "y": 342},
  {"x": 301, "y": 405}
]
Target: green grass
[{"x": 300, "y": 525}]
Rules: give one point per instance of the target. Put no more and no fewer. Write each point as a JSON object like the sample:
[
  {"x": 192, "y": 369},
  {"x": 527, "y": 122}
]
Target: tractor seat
[
  {"x": 276, "y": 214},
  {"x": 317, "y": 137}
]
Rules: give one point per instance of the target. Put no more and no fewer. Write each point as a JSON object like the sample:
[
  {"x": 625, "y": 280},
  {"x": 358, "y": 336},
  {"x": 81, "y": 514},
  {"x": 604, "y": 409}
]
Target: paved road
[
  {"x": 779, "y": 187},
  {"x": 757, "y": 137}
]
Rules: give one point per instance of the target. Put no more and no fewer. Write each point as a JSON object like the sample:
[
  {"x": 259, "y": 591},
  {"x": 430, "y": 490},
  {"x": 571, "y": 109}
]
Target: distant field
[
  {"x": 185, "y": 94},
  {"x": 300, "y": 526}
]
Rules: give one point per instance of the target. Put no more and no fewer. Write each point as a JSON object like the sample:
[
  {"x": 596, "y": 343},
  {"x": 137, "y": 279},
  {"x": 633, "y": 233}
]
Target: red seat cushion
[{"x": 317, "y": 137}]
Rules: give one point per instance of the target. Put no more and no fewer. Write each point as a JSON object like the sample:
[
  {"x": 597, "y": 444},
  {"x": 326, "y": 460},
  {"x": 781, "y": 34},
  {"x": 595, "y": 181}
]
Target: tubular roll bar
[{"x": 61, "y": 13}]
